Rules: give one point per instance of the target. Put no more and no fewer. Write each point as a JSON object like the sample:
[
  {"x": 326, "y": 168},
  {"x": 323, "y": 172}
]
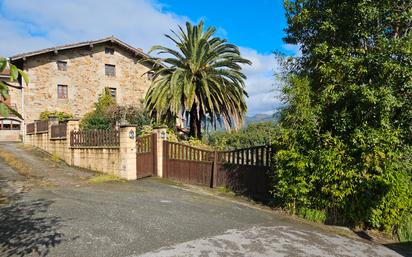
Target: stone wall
[
  {"x": 85, "y": 78},
  {"x": 10, "y": 135},
  {"x": 119, "y": 161}
]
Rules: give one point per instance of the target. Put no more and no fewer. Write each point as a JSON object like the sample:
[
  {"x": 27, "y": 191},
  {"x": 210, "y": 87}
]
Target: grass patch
[
  {"x": 225, "y": 191},
  {"x": 16, "y": 164},
  {"x": 312, "y": 215},
  {"x": 405, "y": 230},
  {"x": 99, "y": 179},
  {"x": 55, "y": 158}
]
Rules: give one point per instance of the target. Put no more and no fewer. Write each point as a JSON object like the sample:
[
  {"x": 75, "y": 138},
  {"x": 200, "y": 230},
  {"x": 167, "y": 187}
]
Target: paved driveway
[{"x": 54, "y": 211}]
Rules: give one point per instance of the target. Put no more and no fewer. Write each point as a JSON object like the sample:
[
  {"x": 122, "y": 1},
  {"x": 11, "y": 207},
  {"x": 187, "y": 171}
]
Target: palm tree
[{"x": 201, "y": 79}]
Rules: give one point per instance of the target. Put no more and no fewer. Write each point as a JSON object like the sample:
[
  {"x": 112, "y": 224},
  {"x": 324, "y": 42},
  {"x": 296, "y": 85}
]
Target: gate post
[
  {"x": 158, "y": 155},
  {"x": 127, "y": 152},
  {"x": 214, "y": 169}
]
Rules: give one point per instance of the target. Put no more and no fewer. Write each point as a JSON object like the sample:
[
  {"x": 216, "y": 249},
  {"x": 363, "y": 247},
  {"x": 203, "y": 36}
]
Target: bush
[
  {"x": 128, "y": 114},
  {"x": 61, "y": 116},
  {"x": 255, "y": 134},
  {"x": 98, "y": 119},
  {"x": 362, "y": 178}
]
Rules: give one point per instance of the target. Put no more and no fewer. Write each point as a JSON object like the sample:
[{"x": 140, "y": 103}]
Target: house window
[
  {"x": 62, "y": 92},
  {"x": 110, "y": 70},
  {"x": 108, "y": 50},
  {"x": 112, "y": 91},
  {"x": 150, "y": 75},
  {"x": 7, "y": 124},
  {"x": 61, "y": 65}
]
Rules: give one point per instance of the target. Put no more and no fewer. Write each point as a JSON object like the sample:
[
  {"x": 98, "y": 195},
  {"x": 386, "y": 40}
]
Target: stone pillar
[
  {"x": 161, "y": 136},
  {"x": 71, "y": 156},
  {"x": 127, "y": 152}
]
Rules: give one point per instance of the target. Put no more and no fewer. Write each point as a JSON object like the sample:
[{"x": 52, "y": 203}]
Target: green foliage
[
  {"x": 15, "y": 73},
  {"x": 254, "y": 135},
  {"x": 346, "y": 133},
  {"x": 97, "y": 119},
  {"x": 405, "y": 229},
  {"x": 201, "y": 79},
  {"x": 61, "y": 116},
  {"x": 312, "y": 215},
  {"x": 128, "y": 114}
]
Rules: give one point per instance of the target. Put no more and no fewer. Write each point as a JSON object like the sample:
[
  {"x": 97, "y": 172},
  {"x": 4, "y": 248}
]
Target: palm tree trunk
[{"x": 195, "y": 124}]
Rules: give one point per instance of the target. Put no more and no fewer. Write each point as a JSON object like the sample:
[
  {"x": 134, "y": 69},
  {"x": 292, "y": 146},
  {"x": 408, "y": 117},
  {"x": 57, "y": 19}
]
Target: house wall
[
  {"x": 10, "y": 135},
  {"x": 85, "y": 78}
]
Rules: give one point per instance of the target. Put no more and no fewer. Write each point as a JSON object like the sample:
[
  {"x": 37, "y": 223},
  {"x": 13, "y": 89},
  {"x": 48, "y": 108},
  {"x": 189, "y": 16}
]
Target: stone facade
[
  {"x": 85, "y": 80},
  {"x": 84, "y": 76}
]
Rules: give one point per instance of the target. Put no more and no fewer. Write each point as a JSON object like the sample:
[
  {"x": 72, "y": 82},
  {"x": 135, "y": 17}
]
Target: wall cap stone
[{"x": 128, "y": 125}]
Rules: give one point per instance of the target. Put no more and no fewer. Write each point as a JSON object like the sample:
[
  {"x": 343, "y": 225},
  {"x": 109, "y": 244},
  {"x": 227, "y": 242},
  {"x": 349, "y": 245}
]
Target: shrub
[
  {"x": 254, "y": 135},
  {"x": 135, "y": 115},
  {"x": 362, "y": 178},
  {"x": 98, "y": 119},
  {"x": 61, "y": 116}
]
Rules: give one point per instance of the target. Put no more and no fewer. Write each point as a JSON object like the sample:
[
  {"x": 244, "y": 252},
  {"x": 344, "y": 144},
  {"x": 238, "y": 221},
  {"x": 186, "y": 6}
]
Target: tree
[
  {"x": 348, "y": 124},
  {"x": 4, "y": 86},
  {"x": 202, "y": 79},
  {"x": 97, "y": 119}
]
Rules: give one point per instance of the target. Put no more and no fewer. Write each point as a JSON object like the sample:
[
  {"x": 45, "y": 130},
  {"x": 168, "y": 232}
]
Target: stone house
[{"x": 70, "y": 78}]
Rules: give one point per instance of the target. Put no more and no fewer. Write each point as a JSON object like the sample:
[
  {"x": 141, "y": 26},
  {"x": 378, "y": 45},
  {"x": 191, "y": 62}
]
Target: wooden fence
[
  {"x": 146, "y": 156},
  {"x": 42, "y": 126},
  {"x": 188, "y": 164},
  {"x": 95, "y": 138},
  {"x": 30, "y": 128},
  {"x": 244, "y": 171},
  {"x": 58, "y": 131}
]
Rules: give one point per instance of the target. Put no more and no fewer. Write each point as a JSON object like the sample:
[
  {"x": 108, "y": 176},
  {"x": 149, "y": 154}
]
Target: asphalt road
[{"x": 55, "y": 211}]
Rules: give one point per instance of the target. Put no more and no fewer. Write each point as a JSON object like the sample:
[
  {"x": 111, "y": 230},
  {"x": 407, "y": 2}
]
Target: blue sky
[{"x": 256, "y": 27}]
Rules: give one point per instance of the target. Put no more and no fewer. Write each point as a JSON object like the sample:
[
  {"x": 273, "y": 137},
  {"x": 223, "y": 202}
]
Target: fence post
[
  {"x": 71, "y": 156},
  {"x": 127, "y": 152},
  {"x": 215, "y": 169},
  {"x": 160, "y": 137}
]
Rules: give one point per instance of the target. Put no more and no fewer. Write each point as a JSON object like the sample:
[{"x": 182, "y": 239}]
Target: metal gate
[{"x": 146, "y": 156}]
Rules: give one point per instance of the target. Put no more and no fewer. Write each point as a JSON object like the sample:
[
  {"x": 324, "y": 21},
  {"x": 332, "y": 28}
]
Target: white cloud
[
  {"x": 261, "y": 85},
  {"x": 28, "y": 25},
  {"x": 138, "y": 22}
]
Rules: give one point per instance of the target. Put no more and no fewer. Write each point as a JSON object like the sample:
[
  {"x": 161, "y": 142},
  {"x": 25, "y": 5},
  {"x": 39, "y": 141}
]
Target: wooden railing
[
  {"x": 95, "y": 138},
  {"x": 144, "y": 144},
  {"x": 58, "y": 131},
  {"x": 42, "y": 126},
  {"x": 256, "y": 156},
  {"x": 178, "y": 151},
  {"x": 30, "y": 128}
]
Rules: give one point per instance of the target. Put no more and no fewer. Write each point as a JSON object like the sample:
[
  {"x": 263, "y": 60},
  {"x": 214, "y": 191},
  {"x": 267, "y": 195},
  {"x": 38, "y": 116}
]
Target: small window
[
  {"x": 8, "y": 124},
  {"x": 108, "y": 50},
  {"x": 112, "y": 92},
  {"x": 62, "y": 92},
  {"x": 150, "y": 75},
  {"x": 15, "y": 126},
  {"x": 61, "y": 65},
  {"x": 110, "y": 70}
]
